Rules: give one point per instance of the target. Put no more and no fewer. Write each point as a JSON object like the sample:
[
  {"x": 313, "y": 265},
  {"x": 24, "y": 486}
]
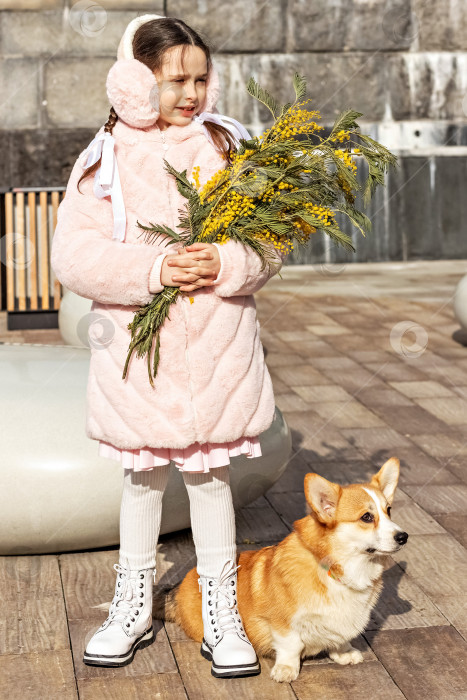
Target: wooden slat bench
[{"x": 30, "y": 291}]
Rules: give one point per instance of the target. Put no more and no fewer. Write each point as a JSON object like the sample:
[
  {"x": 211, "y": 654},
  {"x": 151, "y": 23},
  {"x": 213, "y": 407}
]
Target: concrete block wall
[{"x": 402, "y": 63}]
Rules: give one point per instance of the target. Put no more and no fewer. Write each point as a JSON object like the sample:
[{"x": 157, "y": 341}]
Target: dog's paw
[
  {"x": 349, "y": 656},
  {"x": 283, "y": 673}
]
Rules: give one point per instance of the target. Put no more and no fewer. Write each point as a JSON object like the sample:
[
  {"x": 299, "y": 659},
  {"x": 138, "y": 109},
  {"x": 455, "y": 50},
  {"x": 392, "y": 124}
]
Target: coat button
[{"x": 165, "y": 146}]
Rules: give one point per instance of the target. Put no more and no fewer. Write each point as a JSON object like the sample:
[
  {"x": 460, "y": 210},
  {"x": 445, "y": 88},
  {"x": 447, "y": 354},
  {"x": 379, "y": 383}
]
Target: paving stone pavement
[{"x": 367, "y": 362}]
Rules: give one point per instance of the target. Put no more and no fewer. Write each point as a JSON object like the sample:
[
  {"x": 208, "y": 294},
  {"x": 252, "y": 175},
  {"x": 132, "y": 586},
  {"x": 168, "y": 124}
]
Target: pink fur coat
[{"x": 212, "y": 383}]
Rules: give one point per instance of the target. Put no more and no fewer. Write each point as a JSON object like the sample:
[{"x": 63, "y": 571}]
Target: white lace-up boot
[
  {"x": 225, "y": 641},
  {"x": 128, "y": 626}
]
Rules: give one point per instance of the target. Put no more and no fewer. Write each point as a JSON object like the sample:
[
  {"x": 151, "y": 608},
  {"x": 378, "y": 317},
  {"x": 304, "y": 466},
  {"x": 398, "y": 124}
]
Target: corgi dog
[{"x": 315, "y": 590}]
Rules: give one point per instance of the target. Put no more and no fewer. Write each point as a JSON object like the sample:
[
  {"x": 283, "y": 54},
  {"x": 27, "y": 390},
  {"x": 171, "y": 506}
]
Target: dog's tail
[{"x": 165, "y": 603}]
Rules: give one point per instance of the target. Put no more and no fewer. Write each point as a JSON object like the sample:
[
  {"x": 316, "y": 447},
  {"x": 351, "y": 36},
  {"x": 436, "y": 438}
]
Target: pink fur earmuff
[{"x": 133, "y": 92}]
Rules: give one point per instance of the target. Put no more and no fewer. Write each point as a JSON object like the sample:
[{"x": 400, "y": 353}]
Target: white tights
[{"x": 211, "y": 511}]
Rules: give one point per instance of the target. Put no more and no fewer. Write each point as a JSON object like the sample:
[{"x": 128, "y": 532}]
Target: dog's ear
[
  {"x": 322, "y": 496},
  {"x": 387, "y": 477}
]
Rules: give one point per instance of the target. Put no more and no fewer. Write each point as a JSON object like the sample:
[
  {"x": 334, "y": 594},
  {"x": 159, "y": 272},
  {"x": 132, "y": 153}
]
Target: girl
[{"x": 212, "y": 394}]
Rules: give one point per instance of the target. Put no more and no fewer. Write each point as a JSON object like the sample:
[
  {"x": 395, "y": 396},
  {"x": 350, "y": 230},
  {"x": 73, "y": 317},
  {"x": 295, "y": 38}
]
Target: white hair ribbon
[
  {"x": 237, "y": 129},
  {"x": 107, "y": 179}
]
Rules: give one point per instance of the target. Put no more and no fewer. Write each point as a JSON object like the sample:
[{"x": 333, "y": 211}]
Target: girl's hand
[{"x": 192, "y": 267}]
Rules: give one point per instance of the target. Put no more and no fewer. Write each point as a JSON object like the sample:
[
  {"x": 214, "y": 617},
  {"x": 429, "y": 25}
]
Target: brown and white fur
[{"x": 315, "y": 590}]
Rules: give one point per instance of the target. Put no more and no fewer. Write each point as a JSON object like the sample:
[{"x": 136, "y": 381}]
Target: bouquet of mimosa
[{"x": 279, "y": 189}]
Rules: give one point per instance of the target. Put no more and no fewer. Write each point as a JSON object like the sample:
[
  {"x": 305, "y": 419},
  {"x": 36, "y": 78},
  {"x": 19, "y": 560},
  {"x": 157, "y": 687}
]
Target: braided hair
[{"x": 109, "y": 125}]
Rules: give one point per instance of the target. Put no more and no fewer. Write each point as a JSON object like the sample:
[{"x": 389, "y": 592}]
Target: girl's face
[{"x": 178, "y": 90}]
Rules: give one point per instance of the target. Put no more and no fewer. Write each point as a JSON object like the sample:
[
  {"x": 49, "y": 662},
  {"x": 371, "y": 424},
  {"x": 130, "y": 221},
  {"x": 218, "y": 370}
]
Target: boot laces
[
  {"x": 223, "y": 596},
  {"x": 128, "y": 595}
]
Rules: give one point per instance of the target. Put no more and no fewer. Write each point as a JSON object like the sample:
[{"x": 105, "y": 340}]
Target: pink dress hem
[{"x": 194, "y": 458}]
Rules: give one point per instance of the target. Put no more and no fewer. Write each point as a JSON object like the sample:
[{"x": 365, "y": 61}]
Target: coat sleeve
[
  {"x": 86, "y": 259},
  {"x": 155, "y": 274},
  {"x": 240, "y": 272}
]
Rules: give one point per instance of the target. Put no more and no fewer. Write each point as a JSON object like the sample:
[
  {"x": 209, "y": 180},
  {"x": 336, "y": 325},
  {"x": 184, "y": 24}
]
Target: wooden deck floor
[{"x": 354, "y": 390}]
